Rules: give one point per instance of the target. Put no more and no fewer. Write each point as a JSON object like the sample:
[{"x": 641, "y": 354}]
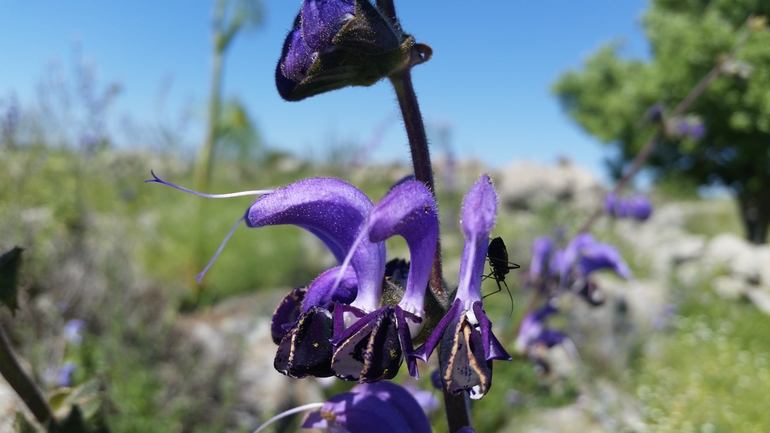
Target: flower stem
[
  {"x": 23, "y": 385},
  {"x": 418, "y": 144},
  {"x": 458, "y": 411}
]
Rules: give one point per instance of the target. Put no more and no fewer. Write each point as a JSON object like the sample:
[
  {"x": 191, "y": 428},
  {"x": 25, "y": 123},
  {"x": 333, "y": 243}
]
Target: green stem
[{"x": 23, "y": 385}]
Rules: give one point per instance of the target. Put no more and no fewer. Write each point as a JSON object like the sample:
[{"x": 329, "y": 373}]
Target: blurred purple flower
[
  {"x": 72, "y": 331},
  {"x": 370, "y": 408},
  {"x": 637, "y": 207},
  {"x": 426, "y": 399},
  {"x": 64, "y": 376},
  {"x": 532, "y": 329}
]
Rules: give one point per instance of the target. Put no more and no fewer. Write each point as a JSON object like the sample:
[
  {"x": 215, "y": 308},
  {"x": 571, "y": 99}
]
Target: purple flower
[
  {"x": 638, "y": 207},
  {"x": 322, "y": 20},
  {"x": 426, "y": 399},
  {"x": 468, "y": 345},
  {"x": 338, "y": 43},
  {"x": 541, "y": 252},
  {"x": 690, "y": 127},
  {"x": 64, "y": 376},
  {"x": 584, "y": 255},
  {"x": 72, "y": 329},
  {"x": 338, "y": 325},
  {"x": 371, "y": 408},
  {"x": 533, "y": 331}
]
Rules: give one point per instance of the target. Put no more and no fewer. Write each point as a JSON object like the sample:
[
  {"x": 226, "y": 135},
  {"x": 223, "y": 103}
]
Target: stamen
[
  {"x": 199, "y": 277},
  {"x": 287, "y": 413},
  {"x": 364, "y": 232},
  {"x": 156, "y": 179}
]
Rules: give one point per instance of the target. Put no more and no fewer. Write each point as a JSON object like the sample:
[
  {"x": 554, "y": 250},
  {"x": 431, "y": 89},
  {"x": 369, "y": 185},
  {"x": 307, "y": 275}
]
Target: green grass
[{"x": 712, "y": 372}]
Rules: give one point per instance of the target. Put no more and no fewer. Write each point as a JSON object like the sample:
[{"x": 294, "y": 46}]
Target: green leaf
[{"x": 10, "y": 263}]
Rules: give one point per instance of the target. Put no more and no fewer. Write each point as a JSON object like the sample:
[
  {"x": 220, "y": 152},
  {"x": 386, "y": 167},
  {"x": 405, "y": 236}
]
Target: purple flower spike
[
  {"x": 371, "y": 408},
  {"x": 334, "y": 211},
  {"x": 322, "y": 19},
  {"x": 541, "y": 251},
  {"x": 409, "y": 210}
]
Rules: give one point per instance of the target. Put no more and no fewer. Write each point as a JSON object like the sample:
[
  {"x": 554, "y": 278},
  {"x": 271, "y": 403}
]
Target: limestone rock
[{"x": 524, "y": 185}]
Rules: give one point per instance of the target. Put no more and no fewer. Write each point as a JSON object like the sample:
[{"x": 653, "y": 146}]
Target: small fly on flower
[{"x": 499, "y": 265}]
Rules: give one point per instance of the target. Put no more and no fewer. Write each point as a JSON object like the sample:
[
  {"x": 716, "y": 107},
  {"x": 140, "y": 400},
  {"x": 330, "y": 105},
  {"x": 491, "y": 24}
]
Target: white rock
[
  {"x": 763, "y": 257},
  {"x": 729, "y": 287},
  {"x": 524, "y": 185},
  {"x": 760, "y": 298},
  {"x": 736, "y": 255}
]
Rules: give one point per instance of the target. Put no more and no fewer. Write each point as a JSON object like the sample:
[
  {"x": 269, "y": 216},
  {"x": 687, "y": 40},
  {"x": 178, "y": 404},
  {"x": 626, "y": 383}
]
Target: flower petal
[
  {"x": 492, "y": 347},
  {"x": 409, "y": 210},
  {"x": 370, "y": 349},
  {"x": 602, "y": 256},
  {"x": 286, "y": 313},
  {"x": 322, "y": 19},
  {"x": 462, "y": 360},
  {"x": 478, "y": 218},
  {"x": 306, "y": 350},
  {"x": 320, "y": 294},
  {"x": 541, "y": 252},
  {"x": 334, "y": 211},
  {"x": 296, "y": 59},
  {"x": 371, "y": 408}
]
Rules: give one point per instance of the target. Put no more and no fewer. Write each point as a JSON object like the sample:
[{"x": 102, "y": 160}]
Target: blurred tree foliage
[{"x": 610, "y": 96}]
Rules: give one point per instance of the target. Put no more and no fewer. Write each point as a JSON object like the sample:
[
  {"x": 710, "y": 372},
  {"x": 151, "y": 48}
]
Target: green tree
[{"x": 611, "y": 95}]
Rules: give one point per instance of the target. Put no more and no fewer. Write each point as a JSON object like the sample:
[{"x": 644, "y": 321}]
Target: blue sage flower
[
  {"x": 64, "y": 375},
  {"x": 637, "y": 207},
  {"x": 468, "y": 345},
  {"x": 338, "y": 325},
  {"x": 554, "y": 271},
  {"x": 72, "y": 331},
  {"x": 338, "y": 43},
  {"x": 370, "y": 408},
  {"x": 533, "y": 331}
]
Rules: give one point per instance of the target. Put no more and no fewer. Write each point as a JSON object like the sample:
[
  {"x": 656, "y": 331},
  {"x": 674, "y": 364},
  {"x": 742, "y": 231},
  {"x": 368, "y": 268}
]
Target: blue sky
[{"x": 494, "y": 63}]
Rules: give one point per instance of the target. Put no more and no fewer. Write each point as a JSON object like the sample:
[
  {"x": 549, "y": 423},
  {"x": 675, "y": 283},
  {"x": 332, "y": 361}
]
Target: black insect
[{"x": 497, "y": 254}]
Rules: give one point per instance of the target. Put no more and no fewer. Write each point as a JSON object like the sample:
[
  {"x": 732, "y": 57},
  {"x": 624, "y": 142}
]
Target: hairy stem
[
  {"x": 418, "y": 144},
  {"x": 23, "y": 385}
]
